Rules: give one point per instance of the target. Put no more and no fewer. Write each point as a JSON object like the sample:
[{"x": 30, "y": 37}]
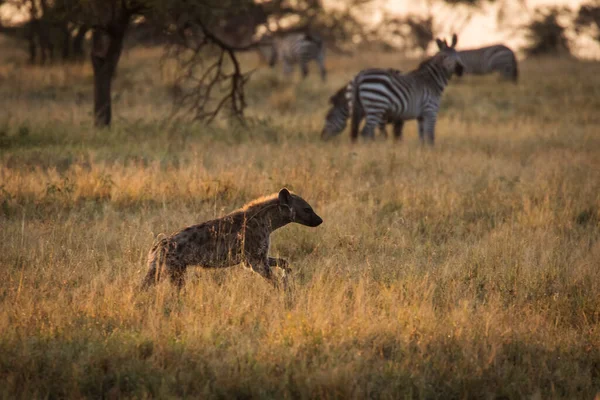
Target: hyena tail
[
  {"x": 156, "y": 263},
  {"x": 354, "y": 107}
]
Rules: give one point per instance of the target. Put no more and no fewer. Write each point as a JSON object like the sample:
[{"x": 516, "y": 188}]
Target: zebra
[
  {"x": 295, "y": 48},
  {"x": 338, "y": 114},
  {"x": 415, "y": 95},
  {"x": 486, "y": 60}
]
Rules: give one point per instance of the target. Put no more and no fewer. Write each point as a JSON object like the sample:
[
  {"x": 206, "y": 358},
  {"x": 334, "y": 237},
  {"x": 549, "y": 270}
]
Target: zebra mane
[{"x": 427, "y": 61}]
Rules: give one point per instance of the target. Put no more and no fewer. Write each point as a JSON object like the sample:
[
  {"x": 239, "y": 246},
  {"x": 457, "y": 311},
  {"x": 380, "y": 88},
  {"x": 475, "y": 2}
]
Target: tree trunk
[
  {"x": 106, "y": 51},
  {"x": 66, "y": 42},
  {"x": 78, "y": 40},
  {"x": 32, "y": 46}
]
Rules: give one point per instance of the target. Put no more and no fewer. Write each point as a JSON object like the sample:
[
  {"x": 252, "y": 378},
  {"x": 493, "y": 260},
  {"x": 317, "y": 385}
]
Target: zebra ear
[
  {"x": 440, "y": 44},
  {"x": 454, "y": 40}
]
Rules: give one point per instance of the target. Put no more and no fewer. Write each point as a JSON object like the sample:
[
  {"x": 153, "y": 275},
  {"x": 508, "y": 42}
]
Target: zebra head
[
  {"x": 337, "y": 116},
  {"x": 449, "y": 58}
]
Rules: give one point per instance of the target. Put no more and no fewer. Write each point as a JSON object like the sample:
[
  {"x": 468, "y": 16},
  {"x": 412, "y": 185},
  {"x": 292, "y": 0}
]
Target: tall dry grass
[{"x": 470, "y": 270}]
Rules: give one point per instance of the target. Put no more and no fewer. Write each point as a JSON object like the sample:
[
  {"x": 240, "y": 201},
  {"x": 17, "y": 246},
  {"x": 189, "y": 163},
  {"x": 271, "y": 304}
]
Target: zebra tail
[{"x": 353, "y": 107}]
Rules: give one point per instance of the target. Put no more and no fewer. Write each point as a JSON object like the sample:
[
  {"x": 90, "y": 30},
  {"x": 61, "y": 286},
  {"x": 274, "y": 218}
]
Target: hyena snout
[
  {"x": 310, "y": 219},
  {"x": 315, "y": 221}
]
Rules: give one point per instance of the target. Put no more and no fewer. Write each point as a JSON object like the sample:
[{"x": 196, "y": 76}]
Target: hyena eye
[{"x": 307, "y": 210}]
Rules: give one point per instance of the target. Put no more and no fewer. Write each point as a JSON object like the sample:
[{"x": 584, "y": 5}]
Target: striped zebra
[
  {"x": 415, "y": 95},
  {"x": 486, "y": 60},
  {"x": 296, "y": 48},
  {"x": 339, "y": 113}
]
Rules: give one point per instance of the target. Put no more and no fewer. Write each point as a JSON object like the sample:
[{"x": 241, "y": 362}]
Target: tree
[
  {"x": 588, "y": 19},
  {"x": 187, "y": 22},
  {"x": 441, "y": 16},
  {"x": 49, "y": 32},
  {"x": 545, "y": 34}
]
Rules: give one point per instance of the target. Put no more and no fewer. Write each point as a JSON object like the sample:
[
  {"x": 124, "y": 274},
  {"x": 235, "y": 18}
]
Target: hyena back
[{"x": 240, "y": 237}]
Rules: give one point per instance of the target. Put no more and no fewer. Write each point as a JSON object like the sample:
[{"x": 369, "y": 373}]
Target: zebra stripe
[
  {"x": 298, "y": 48},
  {"x": 387, "y": 95},
  {"x": 486, "y": 60},
  {"x": 339, "y": 113}
]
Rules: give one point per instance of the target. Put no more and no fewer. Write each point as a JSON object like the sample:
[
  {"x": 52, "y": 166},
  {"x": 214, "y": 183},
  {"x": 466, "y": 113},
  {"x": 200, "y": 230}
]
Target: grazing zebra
[
  {"x": 296, "y": 48},
  {"x": 415, "y": 95},
  {"x": 487, "y": 60},
  {"x": 338, "y": 114}
]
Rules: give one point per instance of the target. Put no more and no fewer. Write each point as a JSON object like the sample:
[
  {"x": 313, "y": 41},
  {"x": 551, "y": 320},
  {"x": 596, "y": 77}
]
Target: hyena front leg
[
  {"x": 284, "y": 265},
  {"x": 263, "y": 269}
]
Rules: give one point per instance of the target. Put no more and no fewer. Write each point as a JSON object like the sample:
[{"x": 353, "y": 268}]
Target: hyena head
[
  {"x": 337, "y": 116},
  {"x": 297, "y": 209},
  {"x": 449, "y": 58}
]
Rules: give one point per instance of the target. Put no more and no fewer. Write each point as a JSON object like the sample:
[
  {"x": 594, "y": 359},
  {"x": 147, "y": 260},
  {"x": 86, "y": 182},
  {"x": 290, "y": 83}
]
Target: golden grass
[{"x": 470, "y": 270}]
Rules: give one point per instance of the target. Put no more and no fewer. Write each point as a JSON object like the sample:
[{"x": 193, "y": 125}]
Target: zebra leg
[
  {"x": 398, "y": 126},
  {"x": 421, "y": 130},
  {"x": 510, "y": 73},
  {"x": 382, "y": 129},
  {"x": 369, "y": 129},
  {"x": 321, "y": 63},
  {"x": 287, "y": 68},
  {"x": 304, "y": 68},
  {"x": 429, "y": 128},
  {"x": 355, "y": 122}
]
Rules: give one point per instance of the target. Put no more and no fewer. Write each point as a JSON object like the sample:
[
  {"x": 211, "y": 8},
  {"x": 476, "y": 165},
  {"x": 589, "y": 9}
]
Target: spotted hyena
[{"x": 240, "y": 237}]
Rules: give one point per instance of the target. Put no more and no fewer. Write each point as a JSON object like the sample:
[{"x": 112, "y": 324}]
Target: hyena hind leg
[
  {"x": 177, "y": 276},
  {"x": 152, "y": 277}
]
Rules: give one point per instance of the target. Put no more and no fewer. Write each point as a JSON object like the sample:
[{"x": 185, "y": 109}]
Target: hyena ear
[
  {"x": 440, "y": 44},
  {"x": 285, "y": 197},
  {"x": 454, "y": 40}
]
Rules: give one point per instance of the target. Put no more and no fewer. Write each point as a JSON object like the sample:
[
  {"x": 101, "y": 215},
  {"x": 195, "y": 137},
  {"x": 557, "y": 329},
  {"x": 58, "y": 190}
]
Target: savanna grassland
[{"x": 470, "y": 270}]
